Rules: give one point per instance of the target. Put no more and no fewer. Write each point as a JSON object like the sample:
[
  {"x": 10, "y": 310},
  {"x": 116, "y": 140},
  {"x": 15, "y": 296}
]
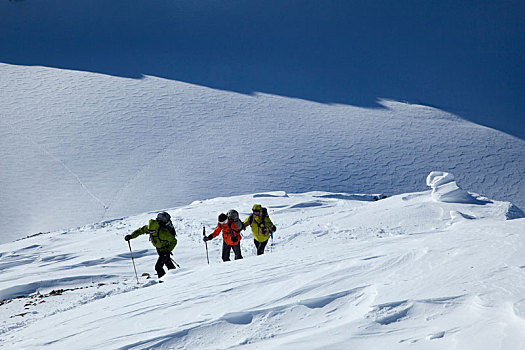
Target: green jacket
[
  {"x": 261, "y": 228},
  {"x": 161, "y": 238}
]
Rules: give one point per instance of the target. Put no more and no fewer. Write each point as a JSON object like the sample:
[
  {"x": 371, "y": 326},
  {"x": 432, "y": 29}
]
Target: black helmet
[
  {"x": 222, "y": 218},
  {"x": 163, "y": 218}
]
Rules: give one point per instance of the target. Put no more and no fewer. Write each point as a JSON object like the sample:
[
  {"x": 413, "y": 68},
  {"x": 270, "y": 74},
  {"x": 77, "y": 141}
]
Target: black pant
[
  {"x": 260, "y": 246},
  {"x": 226, "y": 249},
  {"x": 164, "y": 259}
]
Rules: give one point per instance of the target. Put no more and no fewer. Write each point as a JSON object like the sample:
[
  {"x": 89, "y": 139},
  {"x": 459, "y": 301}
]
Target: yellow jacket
[{"x": 261, "y": 227}]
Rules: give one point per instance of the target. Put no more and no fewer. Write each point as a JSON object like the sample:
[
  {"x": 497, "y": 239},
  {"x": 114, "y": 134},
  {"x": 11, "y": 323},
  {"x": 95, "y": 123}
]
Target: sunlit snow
[{"x": 343, "y": 271}]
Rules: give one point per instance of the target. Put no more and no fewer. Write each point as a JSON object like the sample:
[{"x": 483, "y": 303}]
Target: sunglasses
[{"x": 256, "y": 210}]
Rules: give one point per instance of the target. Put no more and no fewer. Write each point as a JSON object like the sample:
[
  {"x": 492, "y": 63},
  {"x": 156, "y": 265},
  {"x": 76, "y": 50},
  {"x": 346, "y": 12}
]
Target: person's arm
[
  {"x": 214, "y": 234},
  {"x": 137, "y": 232},
  {"x": 269, "y": 224},
  {"x": 246, "y": 221},
  {"x": 140, "y": 231}
]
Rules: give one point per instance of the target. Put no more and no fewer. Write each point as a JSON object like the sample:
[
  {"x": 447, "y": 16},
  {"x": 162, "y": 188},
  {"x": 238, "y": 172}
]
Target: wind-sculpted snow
[
  {"x": 342, "y": 271},
  {"x": 81, "y": 147},
  {"x": 445, "y": 189}
]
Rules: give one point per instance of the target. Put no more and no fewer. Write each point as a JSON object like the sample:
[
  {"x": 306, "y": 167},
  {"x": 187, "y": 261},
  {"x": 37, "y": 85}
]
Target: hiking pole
[
  {"x": 131, "y": 253},
  {"x": 271, "y": 243},
  {"x": 204, "y": 234},
  {"x": 173, "y": 261}
]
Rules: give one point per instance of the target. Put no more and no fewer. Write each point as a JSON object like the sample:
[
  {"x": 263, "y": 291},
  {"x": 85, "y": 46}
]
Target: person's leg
[
  {"x": 226, "y": 251},
  {"x": 164, "y": 259},
  {"x": 260, "y": 247},
  {"x": 159, "y": 265},
  {"x": 257, "y": 245},
  {"x": 237, "y": 251},
  {"x": 168, "y": 262}
]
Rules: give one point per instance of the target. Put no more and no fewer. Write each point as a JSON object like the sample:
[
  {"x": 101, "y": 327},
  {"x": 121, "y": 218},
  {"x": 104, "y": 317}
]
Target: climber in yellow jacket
[{"x": 261, "y": 225}]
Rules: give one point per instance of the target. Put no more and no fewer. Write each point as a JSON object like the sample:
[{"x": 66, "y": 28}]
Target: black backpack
[{"x": 164, "y": 220}]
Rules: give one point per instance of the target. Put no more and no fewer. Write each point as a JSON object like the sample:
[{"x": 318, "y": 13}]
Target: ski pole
[
  {"x": 271, "y": 243},
  {"x": 173, "y": 261},
  {"x": 133, "y": 260},
  {"x": 204, "y": 234}
]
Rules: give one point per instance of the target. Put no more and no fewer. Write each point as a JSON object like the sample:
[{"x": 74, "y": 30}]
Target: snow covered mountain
[
  {"x": 109, "y": 111},
  {"x": 440, "y": 269},
  {"x": 80, "y": 147}
]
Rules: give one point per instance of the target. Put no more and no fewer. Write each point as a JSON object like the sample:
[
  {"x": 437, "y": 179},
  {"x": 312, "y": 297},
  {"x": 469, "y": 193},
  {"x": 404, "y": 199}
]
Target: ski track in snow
[
  {"x": 29, "y": 140},
  {"x": 105, "y": 147},
  {"x": 343, "y": 271}
]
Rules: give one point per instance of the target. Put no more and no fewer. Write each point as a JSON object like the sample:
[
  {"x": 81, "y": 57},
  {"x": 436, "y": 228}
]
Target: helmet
[
  {"x": 222, "y": 218},
  {"x": 163, "y": 218},
  {"x": 257, "y": 207}
]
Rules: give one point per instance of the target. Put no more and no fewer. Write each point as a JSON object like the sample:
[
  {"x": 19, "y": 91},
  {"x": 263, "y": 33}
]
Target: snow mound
[{"x": 445, "y": 189}]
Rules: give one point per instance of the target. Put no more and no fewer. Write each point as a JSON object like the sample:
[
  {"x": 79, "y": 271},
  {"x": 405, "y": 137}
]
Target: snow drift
[{"x": 445, "y": 189}]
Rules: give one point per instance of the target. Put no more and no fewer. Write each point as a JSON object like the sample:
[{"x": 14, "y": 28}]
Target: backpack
[
  {"x": 169, "y": 227},
  {"x": 164, "y": 220},
  {"x": 233, "y": 215}
]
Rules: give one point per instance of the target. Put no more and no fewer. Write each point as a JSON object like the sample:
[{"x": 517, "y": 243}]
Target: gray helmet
[
  {"x": 163, "y": 218},
  {"x": 233, "y": 214}
]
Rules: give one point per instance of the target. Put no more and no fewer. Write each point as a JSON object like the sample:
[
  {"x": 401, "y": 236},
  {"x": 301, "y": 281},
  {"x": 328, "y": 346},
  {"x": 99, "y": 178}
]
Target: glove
[
  {"x": 274, "y": 228},
  {"x": 207, "y": 238},
  {"x": 234, "y": 239},
  {"x": 127, "y": 237}
]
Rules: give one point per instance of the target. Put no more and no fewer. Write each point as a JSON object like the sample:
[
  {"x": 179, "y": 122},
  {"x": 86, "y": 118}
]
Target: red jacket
[{"x": 226, "y": 233}]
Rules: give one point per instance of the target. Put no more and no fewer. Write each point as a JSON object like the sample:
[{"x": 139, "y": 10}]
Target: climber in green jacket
[{"x": 163, "y": 237}]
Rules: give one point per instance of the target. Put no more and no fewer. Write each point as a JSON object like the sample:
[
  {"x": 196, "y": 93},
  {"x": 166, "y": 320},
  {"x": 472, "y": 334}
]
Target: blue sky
[{"x": 463, "y": 57}]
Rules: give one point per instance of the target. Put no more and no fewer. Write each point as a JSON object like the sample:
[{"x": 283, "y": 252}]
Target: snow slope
[
  {"x": 79, "y": 148},
  {"x": 344, "y": 271}
]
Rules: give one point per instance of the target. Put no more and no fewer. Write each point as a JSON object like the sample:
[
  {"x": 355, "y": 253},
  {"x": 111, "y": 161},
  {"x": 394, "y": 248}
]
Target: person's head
[
  {"x": 223, "y": 218},
  {"x": 163, "y": 218},
  {"x": 257, "y": 209}
]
